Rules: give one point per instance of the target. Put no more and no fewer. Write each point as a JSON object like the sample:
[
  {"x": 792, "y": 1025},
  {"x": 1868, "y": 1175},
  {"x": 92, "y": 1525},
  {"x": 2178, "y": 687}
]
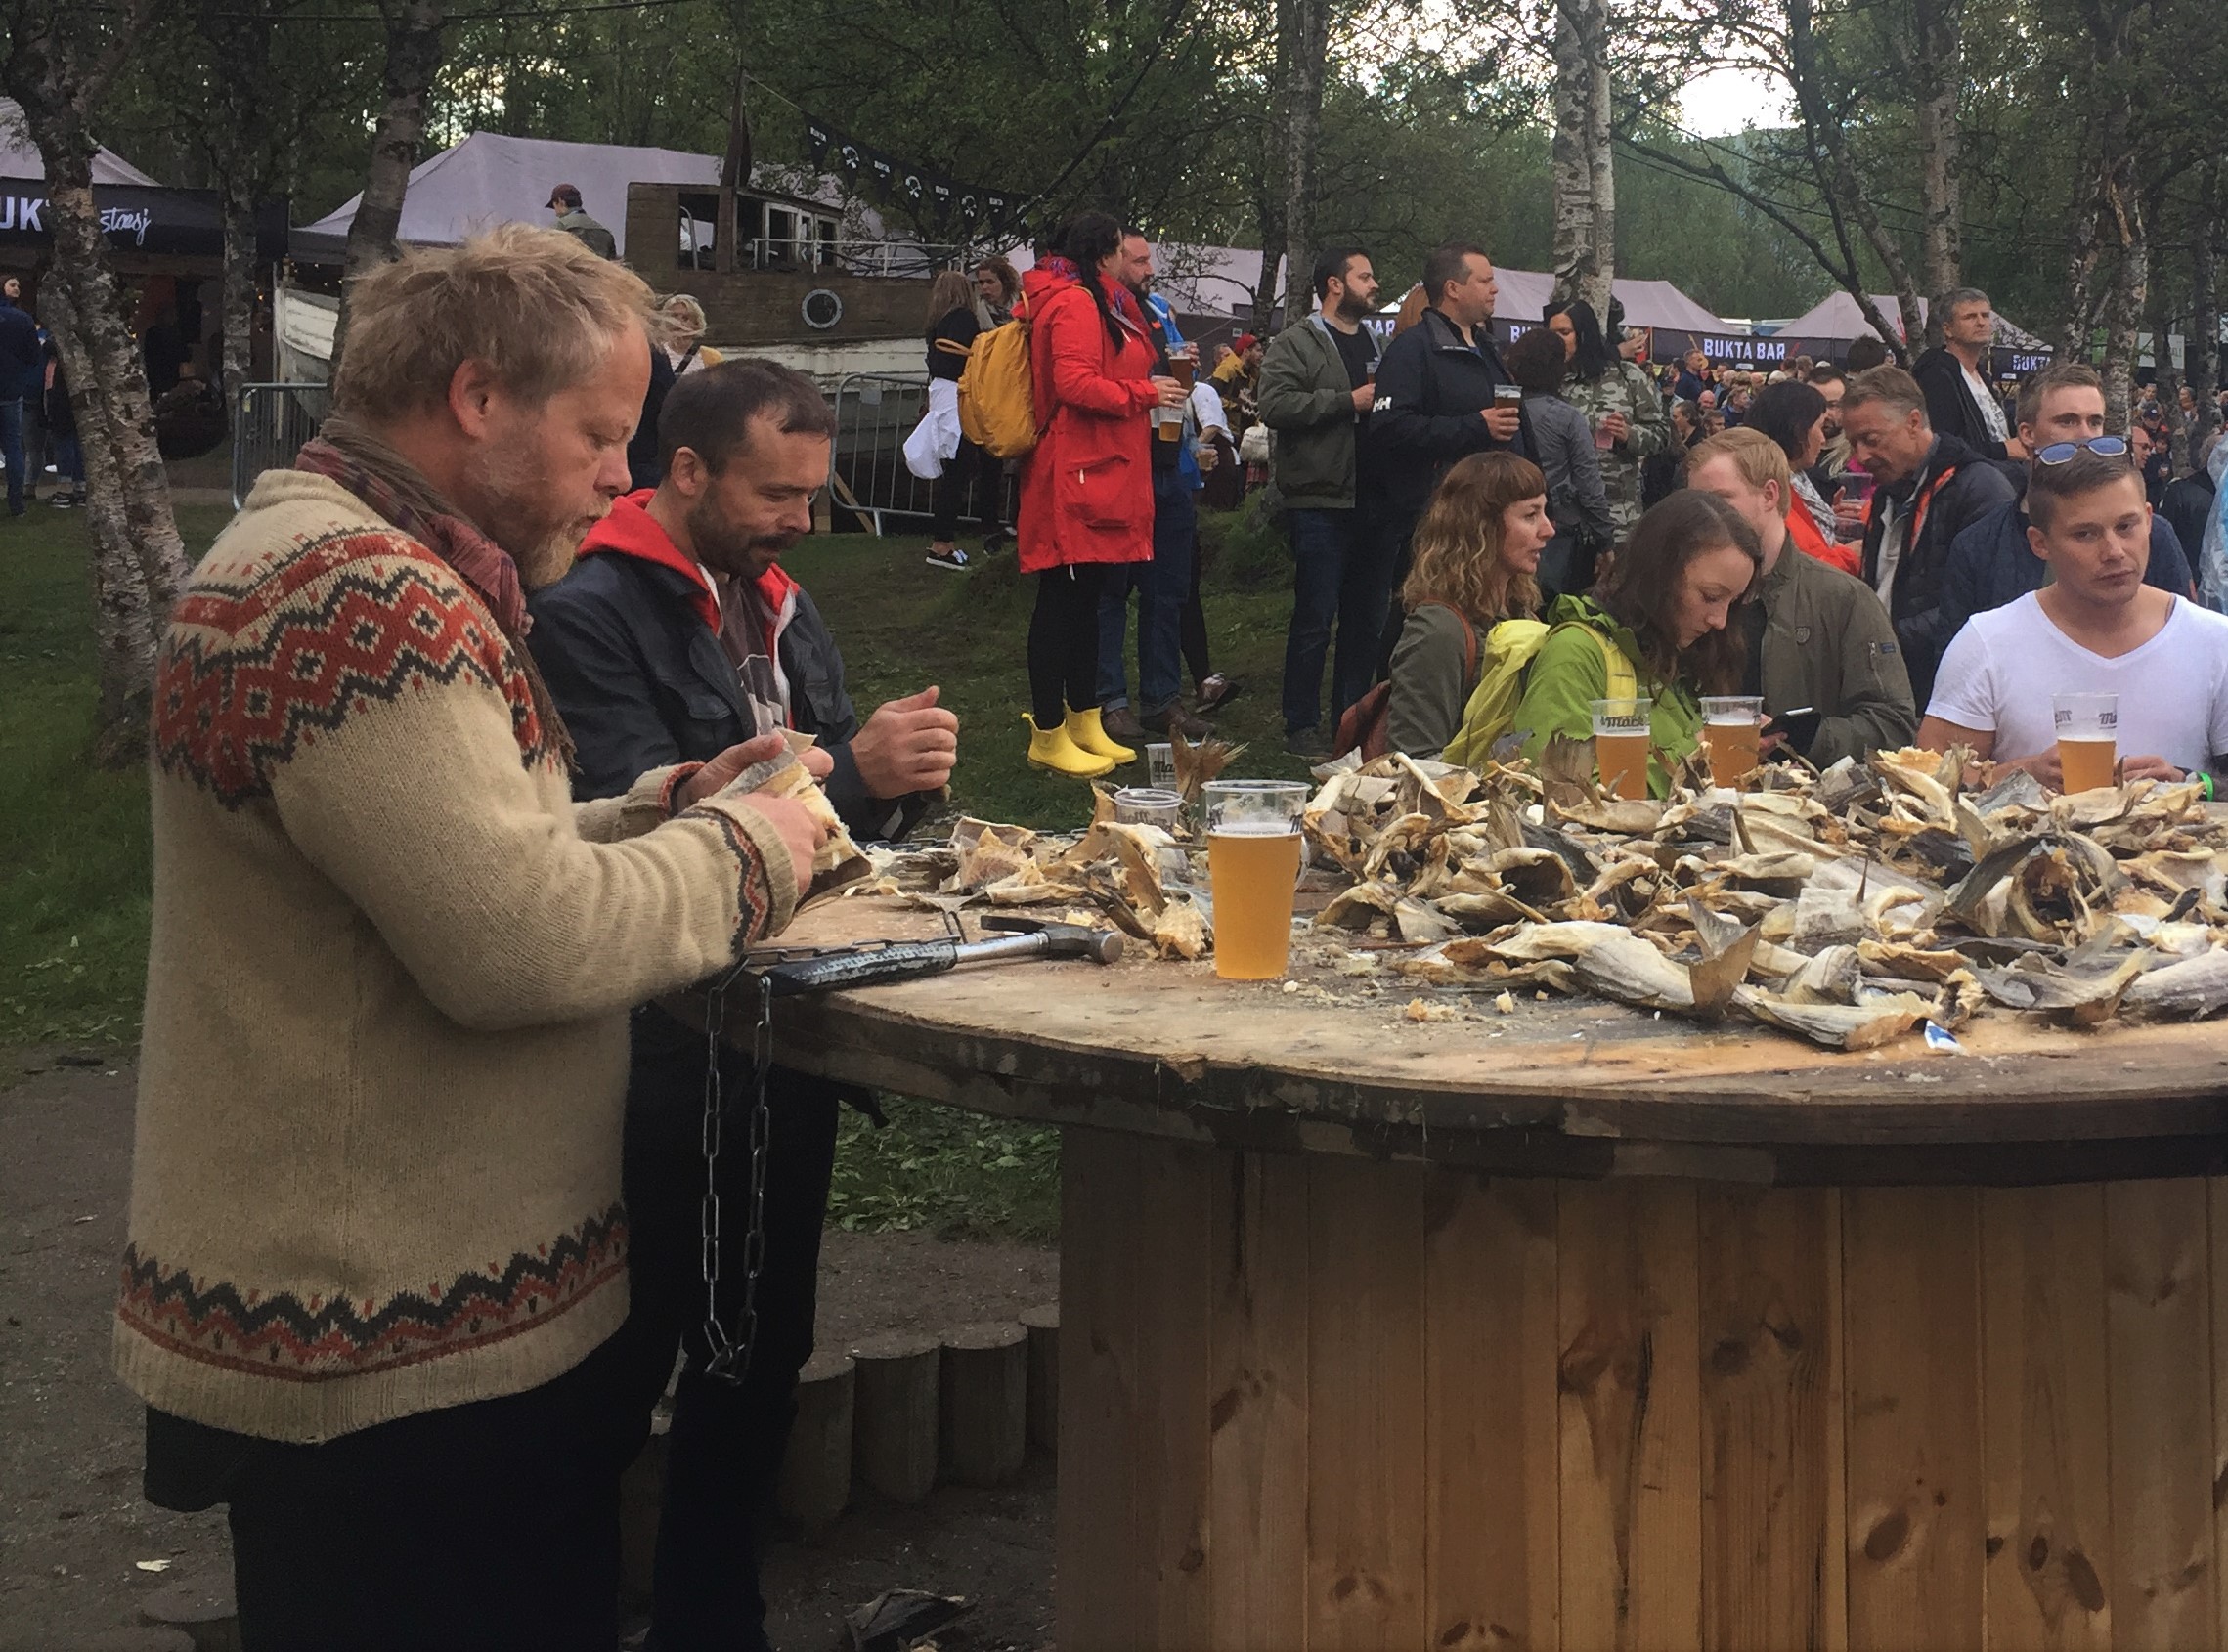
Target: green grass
[{"x": 75, "y": 861}]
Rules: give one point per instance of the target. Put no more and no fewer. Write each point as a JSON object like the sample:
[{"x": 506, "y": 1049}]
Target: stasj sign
[{"x": 179, "y": 223}]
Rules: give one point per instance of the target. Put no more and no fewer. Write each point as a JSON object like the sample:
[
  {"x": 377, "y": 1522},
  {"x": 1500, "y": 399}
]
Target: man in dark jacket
[
  {"x": 2188, "y": 504},
  {"x": 565, "y": 203},
  {"x": 1931, "y": 489},
  {"x": 22, "y": 364},
  {"x": 677, "y": 634},
  {"x": 1959, "y": 400},
  {"x": 1317, "y": 385},
  {"x": 1992, "y": 563},
  {"x": 1442, "y": 392}
]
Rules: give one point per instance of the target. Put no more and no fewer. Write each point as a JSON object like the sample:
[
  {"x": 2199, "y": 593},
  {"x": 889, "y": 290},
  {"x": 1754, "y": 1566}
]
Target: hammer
[{"x": 1020, "y": 939}]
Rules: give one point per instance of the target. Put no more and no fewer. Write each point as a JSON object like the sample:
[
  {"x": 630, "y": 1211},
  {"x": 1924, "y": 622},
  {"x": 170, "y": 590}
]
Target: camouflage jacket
[{"x": 1624, "y": 389}]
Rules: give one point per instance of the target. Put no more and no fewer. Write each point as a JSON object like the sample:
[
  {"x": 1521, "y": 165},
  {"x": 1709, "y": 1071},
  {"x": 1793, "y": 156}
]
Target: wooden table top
[{"x": 1560, "y": 1086}]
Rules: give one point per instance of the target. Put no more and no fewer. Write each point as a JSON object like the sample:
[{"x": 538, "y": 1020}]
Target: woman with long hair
[
  {"x": 1087, "y": 485},
  {"x": 1663, "y": 616},
  {"x": 1623, "y": 408},
  {"x": 1563, "y": 444},
  {"x": 951, "y": 328},
  {"x": 1794, "y": 415},
  {"x": 1476, "y": 562},
  {"x": 997, "y": 289}
]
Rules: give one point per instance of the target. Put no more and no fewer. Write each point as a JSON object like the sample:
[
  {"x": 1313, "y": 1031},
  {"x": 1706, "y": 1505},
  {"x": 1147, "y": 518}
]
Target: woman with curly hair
[
  {"x": 1476, "y": 564},
  {"x": 1663, "y": 619}
]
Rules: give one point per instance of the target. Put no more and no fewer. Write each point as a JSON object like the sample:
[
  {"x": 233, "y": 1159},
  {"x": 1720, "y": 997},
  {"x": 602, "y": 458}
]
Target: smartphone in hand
[{"x": 1798, "y": 728}]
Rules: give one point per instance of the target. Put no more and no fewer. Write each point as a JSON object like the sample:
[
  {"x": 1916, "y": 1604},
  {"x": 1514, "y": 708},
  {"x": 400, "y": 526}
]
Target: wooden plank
[
  {"x": 1771, "y": 1422},
  {"x": 2159, "y": 1314},
  {"x": 1258, "y": 1251},
  {"x": 1364, "y": 1438},
  {"x": 1916, "y": 1499},
  {"x": 1095, "y": 1604},
  {"x": 1175, "y": 1303},
  {"x": 1630, "y": 1415},
  {"x": 1489, "y": 1284},
  {"x": 2044, "y": 1405},
  {"x": 1836, "y": 1585}
]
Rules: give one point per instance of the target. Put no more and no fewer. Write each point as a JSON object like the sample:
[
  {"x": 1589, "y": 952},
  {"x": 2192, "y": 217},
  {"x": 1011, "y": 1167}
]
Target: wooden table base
[{"x": 1317, "y": 1402}]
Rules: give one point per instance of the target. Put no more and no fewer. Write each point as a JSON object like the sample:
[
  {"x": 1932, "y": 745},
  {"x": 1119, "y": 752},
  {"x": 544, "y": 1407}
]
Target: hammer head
[{"x": 1061, "y": 940}]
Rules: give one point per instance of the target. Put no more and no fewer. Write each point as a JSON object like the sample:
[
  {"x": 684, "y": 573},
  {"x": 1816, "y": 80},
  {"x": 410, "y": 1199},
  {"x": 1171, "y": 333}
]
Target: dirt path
[{"x": 73, "y": 1530}]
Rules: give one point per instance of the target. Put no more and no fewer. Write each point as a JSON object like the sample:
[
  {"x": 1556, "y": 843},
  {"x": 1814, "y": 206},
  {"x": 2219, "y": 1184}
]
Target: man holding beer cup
[{"x": 2097, "y": 655}]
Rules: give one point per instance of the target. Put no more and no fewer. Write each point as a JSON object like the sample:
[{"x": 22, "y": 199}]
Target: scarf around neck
[{"x": 346, "y": 452}]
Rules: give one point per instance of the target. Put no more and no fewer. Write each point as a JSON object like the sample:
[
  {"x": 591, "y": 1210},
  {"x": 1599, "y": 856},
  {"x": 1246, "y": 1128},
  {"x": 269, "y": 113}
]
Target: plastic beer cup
[
  {"x": 1621, "y": 743},
  {"x": 1732, "y": 734},
  {"x": 1148, "y": 806},
  {"x": 1183, "y": 368},
  {"x": 1160, "y": 765},
  {"x": 2088, "y": 738},
  {"x": 1253, "y": 859}
]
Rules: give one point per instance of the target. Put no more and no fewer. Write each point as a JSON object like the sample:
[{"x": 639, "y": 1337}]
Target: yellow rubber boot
[
  {"x": 1088, "y": 732},
  {"x": 1053, "y": 749}
]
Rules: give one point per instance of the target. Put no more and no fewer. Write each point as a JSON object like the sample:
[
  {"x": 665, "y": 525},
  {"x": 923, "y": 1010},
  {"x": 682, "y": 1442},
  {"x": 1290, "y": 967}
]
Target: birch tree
[
  {"x": 59, "y": 65},
  {"x": 1308, "y": 66},
  {"x": 1582, "y": 159},
  {"x": 412, "y": 58}
]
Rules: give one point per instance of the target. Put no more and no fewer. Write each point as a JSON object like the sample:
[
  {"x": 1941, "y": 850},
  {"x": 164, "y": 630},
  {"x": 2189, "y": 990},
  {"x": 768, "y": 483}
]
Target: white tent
[
  {"x": 20, "y": 157},
  {"x": 490, "y": 179},
  {"x": 1838, "y": 317},
  {"x": 1217, "y": 280}
]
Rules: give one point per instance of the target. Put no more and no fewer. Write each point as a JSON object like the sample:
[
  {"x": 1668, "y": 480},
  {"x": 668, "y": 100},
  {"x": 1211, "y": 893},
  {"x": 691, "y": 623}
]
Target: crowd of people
[{"x": 1486, "y": 539}]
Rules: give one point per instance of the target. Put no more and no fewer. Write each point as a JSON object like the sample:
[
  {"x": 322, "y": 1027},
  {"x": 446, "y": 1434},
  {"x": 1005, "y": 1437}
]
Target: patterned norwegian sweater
[{"x": 377, "y": 1159}]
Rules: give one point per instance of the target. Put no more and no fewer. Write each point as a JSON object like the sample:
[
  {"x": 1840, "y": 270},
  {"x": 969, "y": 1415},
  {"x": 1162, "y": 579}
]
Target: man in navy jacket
[{"x": 677, "y": 635}]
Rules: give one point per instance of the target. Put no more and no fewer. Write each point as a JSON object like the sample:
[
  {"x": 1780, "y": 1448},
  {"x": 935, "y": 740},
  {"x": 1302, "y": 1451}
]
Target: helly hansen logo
[{"x": 1380, "y": 404}]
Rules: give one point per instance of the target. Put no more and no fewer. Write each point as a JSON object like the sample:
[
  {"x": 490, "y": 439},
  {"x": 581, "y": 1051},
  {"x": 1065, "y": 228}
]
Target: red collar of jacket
[{"x": 629, "y": 530}]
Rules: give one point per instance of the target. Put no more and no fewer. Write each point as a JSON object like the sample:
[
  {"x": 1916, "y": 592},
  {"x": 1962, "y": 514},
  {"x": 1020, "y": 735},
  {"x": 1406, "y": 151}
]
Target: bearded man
[
  {"x": 377, "y": 1246},
  {"x": 679, "y": 634}
]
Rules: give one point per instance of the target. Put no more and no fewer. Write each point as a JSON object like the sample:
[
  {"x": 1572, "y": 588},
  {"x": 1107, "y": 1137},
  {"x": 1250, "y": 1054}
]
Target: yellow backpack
[
  {"x": 997, "y": 401},
  {"x": 1509, "y": 649}
]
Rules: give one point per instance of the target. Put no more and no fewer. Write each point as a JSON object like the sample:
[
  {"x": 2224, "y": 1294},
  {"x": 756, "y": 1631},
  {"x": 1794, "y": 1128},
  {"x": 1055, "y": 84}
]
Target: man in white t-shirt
[{"x": 2096, "y": 628}]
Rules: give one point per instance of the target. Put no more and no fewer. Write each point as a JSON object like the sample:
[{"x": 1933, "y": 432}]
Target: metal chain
[{"x": 730, "y": 1356}]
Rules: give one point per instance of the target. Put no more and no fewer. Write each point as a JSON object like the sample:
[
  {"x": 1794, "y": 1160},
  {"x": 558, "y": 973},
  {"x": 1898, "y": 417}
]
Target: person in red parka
[{"x": 1086, "y": 490}]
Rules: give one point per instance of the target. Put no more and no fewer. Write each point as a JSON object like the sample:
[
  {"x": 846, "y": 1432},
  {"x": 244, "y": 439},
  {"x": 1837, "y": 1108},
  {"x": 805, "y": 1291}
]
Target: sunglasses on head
[{"x": 2059, "y": 452}]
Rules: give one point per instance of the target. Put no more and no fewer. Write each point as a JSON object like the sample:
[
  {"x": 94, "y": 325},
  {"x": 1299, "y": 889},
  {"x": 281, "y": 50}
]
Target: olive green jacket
[
  {"x": 1569, "y": 672},
  {"x": 1829, "y": 645},
  {"x": 1307, "y": 399}
]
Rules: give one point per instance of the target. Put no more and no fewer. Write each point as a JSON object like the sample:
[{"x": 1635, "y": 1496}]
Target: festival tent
[
  {"x": 20, "y": 157},
  {"x": 491, "y": 178},
  {"x": 1836, "y": 322}
]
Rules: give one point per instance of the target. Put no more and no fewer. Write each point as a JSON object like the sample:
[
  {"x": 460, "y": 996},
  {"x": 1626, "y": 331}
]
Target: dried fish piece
[
  {"x": 1839, "y": 1027},
  {"x": 2188, "y": 990},
  {"x": 2034, "y": 982},
  {"x": 1609, "y": 960},
  {"x": 1417, "y": 921},
  {"x": 1928, "y": 779},
  {"x": 1179, "y": 931}
]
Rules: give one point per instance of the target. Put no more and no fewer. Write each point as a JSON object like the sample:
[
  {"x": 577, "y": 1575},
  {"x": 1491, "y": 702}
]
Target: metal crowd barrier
[
  {"x": 875, "y": 412},
  {"x": 269, "y": 426}
]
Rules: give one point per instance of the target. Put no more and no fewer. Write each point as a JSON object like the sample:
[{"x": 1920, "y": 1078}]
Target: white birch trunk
[
  {"x": 1583, "y": 157},
  {"x": 414, "y": 56},
  {"x": 2204, "y": 362}
]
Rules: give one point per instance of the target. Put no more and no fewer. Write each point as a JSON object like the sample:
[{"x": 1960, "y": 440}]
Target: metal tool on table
[
  {"x": 1019, "y": 940},
  {"x": 825, "y": 971}
]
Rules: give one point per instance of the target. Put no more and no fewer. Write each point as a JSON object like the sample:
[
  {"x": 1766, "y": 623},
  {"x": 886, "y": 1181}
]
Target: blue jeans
[
  {"x": 1163, "y": 587},
  {"x": 1341, "y": 571},
  {"x": 70, "y": 460},
  {"x": 12, "y": 449}
]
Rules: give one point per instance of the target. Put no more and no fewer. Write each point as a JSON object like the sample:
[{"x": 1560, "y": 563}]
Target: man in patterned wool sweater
[{"x": 377, "y": 1250}]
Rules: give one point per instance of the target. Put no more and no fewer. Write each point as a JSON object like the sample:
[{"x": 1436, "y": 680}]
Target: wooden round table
[{"x": 1577, "y": 1327}]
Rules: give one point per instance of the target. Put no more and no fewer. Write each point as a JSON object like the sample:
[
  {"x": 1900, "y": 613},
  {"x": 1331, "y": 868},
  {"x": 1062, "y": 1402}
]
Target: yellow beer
[
  {"x": 1252, "y": 868},
  {"x": 1735, "y": 749},
  {"x": 2088, "y": 738},
  {"x": 1623, "y": 759},
  {"x": 1732, "y": 734},
  {"x": 2087, "y": 762}
]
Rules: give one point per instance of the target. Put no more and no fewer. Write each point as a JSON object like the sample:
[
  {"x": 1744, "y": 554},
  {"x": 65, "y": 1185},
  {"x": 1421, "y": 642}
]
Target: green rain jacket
[{"x": 1570, "y": 672}]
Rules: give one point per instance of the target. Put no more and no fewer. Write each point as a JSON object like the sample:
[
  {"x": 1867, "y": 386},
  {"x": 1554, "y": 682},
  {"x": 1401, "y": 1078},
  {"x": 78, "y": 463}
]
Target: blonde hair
[
  {"x": 1457, "y": 542},
  {"x": 684, "y": 315},
  {"x": 535, "y": 304},
  {"x": 1755, "y": 455},
  {"x": 948, "y": 292}
]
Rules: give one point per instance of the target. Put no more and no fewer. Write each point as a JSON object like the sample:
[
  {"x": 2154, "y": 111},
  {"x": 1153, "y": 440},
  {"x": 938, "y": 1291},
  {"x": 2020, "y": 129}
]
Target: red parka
[{"x": 1087, "y": 486}]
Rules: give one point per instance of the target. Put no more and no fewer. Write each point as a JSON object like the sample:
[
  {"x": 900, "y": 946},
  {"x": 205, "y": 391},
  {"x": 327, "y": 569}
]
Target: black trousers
[
  {"x": 490, "y": 1526},
  {"x": 723, "y": 1454},
  {"x": 1195, "y": 626},
  {"x": 1064, "y": 641},
  {"x": 971, "y": 471}
]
